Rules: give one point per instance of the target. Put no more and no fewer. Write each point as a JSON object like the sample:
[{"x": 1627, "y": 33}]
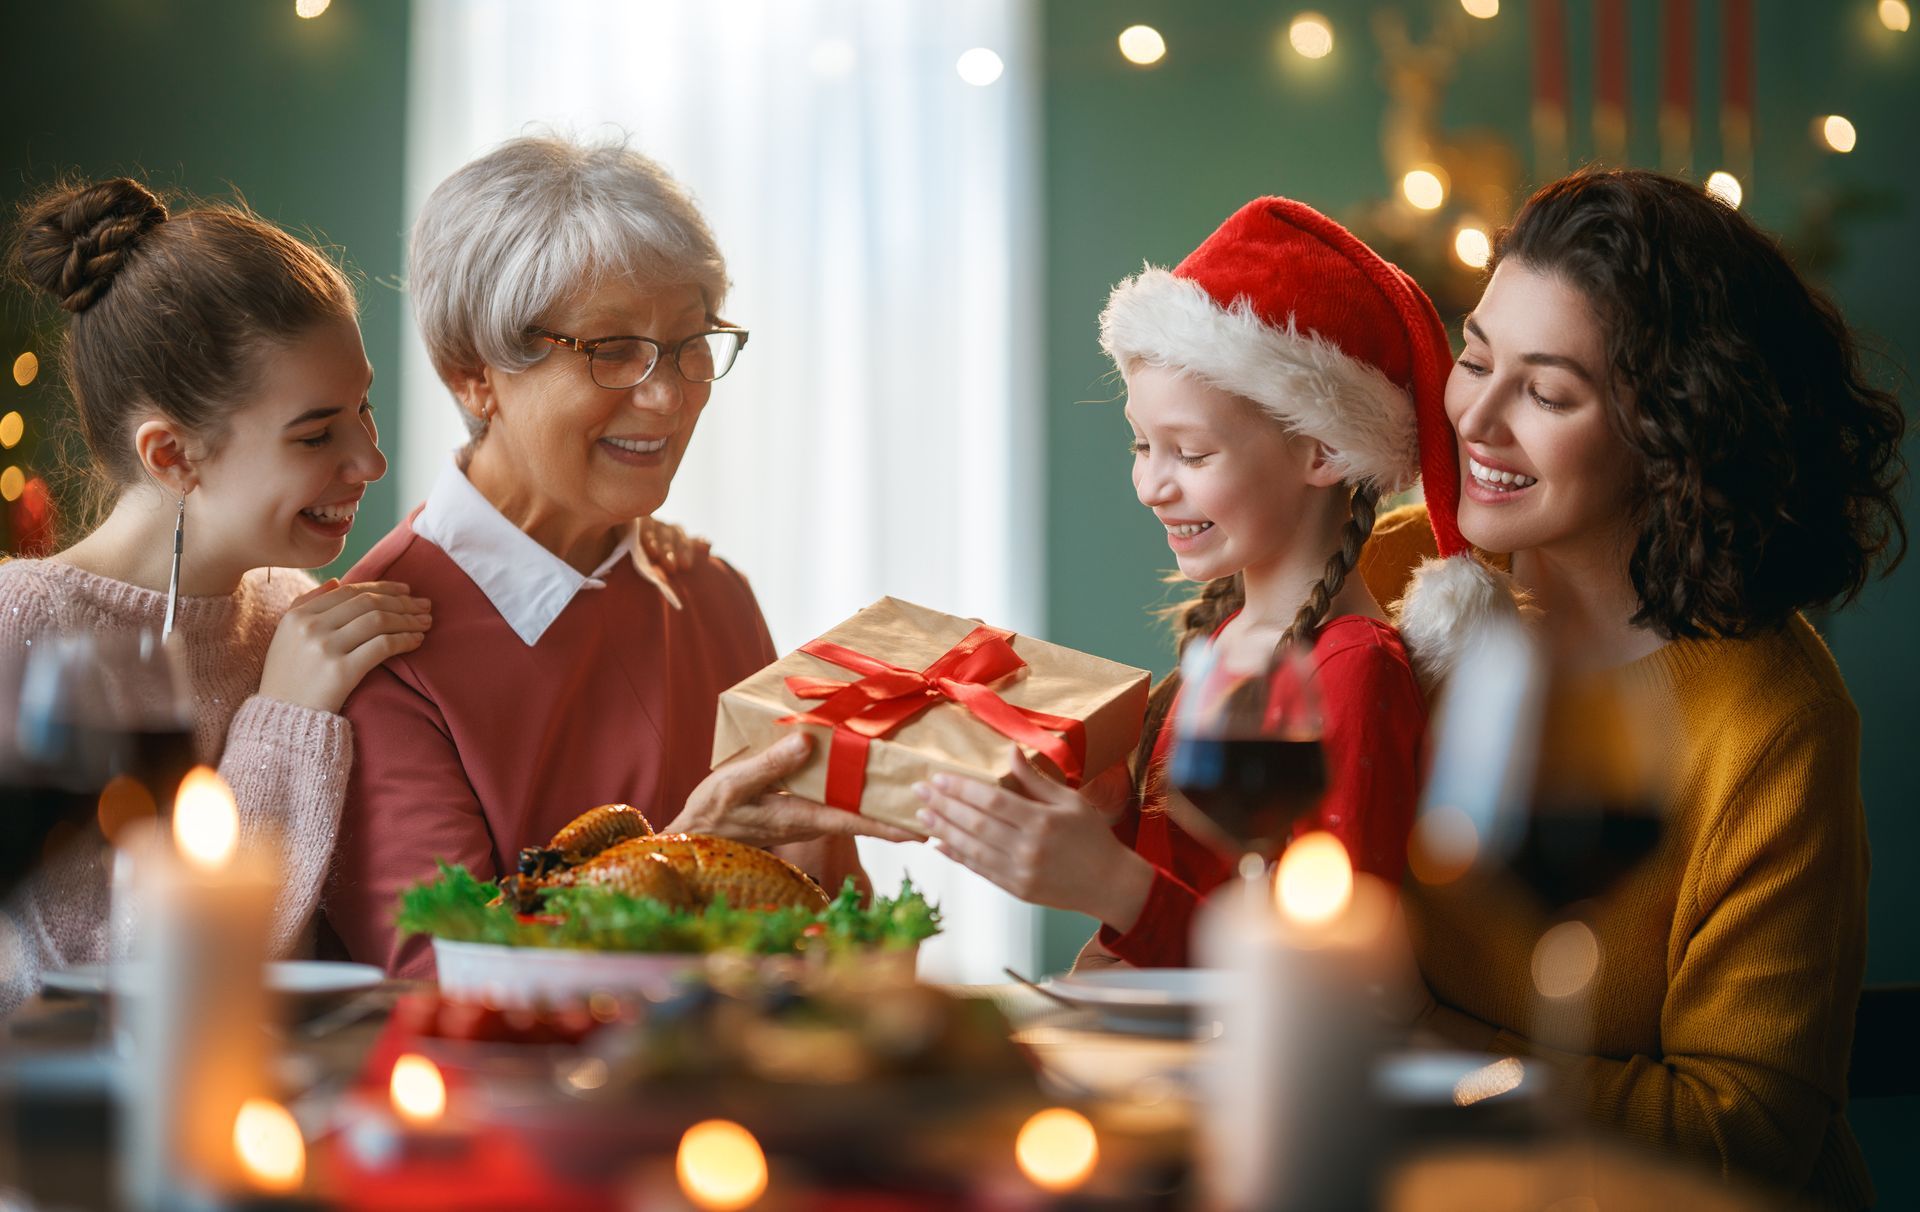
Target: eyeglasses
[{"x": 620, "y": 363}]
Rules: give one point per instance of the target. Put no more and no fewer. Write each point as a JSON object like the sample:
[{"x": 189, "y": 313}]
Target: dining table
[{"x": 1435, "y": 1148}]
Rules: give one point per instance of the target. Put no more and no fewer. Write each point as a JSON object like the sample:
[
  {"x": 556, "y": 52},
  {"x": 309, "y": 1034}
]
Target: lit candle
[
  {"x": 198, "y": 1007},
  {"x": 411, "y": 1122},
  {"x": 720, "y": 1166},
  {"x": 1284, "y": 1086}
]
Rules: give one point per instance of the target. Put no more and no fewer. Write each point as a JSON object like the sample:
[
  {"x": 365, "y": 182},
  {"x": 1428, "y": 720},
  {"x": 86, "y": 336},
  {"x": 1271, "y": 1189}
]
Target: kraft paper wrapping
[{"x": 1110, "y": 698}]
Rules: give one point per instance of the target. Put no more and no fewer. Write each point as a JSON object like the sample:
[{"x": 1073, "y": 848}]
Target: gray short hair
[{"x": 512, "y": 233}]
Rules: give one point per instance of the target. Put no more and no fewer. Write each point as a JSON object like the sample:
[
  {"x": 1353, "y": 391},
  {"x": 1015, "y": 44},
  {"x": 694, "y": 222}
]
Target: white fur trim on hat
[
  {"x": 1446, "y": 605},
  {"x": 1367, "y": 423}
]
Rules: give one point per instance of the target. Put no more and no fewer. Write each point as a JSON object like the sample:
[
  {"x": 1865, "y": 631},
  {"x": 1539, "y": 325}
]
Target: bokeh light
[
  {"x": 1425, "y": 187},
  {"x": 1565, "y": 959},
  {"x": 1488, "y": 1081},
  {"x": 1483, "y": 9},
  {"x": 206, "y": 825},
  {"x": 1726, "y": 187},
  {"x": 1895, "y": 15},
  {"x": 720, "y": 1166},
  {"x": 1142, "y": 44},
  {"x": 1838, "y": 133},
  {"x": 979, "y": 67},
  {"x": 1311, "y": 36},
  {"x": 1314, "y": 884},
  {"x": 1057, "y": 1149},
  {"x": 26, "y": 368},
  {"x": 310, "y": 8},
  {"x": 13, "y": 482},
  {"x": 1445, "y": 845},
  {"x": 13, "y": 427},
  {"x": 418, "y": 1091},
  {"x": 268, "y": 1143},
  {"x": 1473, "y": 246}
]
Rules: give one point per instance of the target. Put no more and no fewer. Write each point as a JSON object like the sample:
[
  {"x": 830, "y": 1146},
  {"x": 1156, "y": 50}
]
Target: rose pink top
[{"x": 479, "y": 743}]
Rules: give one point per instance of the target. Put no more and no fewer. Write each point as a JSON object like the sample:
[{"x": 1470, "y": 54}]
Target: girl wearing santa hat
[{"x": 1278, "y": 383}]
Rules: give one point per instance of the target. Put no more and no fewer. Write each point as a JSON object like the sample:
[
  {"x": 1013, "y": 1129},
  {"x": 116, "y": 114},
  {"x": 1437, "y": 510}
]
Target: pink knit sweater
[{"x": 287, "y": 765}]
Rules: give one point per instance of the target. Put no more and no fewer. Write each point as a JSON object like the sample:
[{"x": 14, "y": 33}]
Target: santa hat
[{"x": 1287, "y": 308}]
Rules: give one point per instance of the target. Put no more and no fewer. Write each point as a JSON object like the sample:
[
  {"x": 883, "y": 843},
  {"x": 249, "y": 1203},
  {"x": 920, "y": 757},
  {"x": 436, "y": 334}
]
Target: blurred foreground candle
[
  {"x": 720, "y": 1166},
  {"x": 198, "y": 1007},
  {"x": 1285, "y": 1122}
]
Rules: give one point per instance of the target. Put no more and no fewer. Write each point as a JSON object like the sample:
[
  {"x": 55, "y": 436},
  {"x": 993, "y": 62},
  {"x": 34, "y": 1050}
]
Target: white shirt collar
[{"x": 526, "y": 583}]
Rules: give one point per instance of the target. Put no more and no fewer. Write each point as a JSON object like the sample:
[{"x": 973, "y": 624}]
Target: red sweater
[
  {"x": 1374, "y": 722},
  {"x": 477, "y": 743}
]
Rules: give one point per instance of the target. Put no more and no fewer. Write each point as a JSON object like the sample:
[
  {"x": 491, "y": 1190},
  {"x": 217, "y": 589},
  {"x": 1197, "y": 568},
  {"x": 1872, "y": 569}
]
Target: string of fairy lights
[{"x": 1309, "y": 35}]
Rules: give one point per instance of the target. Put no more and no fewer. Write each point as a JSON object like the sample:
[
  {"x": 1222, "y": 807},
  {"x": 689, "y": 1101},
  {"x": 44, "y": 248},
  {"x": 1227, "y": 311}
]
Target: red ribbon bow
[{"x": 887, "y": 696}]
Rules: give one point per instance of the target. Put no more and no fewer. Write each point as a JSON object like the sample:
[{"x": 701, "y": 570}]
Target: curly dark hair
[{"x": 1769, "y": 467}]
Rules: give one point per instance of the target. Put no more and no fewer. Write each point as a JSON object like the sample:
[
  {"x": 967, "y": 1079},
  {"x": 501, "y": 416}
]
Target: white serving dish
[{"x": 529, "y": 977}]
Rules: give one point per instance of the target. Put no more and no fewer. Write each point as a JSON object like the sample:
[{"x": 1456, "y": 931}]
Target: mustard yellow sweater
[{"x": 1732, "y": 960}]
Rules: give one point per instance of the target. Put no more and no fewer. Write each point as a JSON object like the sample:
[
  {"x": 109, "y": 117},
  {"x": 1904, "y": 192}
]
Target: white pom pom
[{"x": 1447, "y": 602}]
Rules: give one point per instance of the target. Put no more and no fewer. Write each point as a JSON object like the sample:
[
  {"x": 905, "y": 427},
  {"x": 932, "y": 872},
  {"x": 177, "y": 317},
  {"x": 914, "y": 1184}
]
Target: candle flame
[
  {"x": 418, "y": 1091},
  {"x": 720, "y": 1166},
  {"x": 206, "y": 825},
  {"x": 1057, "y": 1149},
  {"x": 1315, "y": 882},
  {"x": 269, "y": 1145}
]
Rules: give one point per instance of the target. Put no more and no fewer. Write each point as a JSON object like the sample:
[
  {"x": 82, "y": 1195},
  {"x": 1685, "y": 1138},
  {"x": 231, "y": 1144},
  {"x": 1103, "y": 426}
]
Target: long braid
[
  {"x": 1197, "y": 616},
  {"x": 1305, "y": 627}
]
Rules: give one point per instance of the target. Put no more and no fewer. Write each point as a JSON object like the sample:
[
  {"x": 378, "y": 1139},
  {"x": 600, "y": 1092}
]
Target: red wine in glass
[
  {"x": 1255, "y": 788},
  {"x": 158, "y": 758},
  {"x": 1571, "y": 850},
  {"x": 1246, "y": 747}
]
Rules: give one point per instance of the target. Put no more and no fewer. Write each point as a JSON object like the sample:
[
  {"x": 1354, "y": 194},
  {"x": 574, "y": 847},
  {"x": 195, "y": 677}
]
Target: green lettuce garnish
[{"x": 457, "y": 907}]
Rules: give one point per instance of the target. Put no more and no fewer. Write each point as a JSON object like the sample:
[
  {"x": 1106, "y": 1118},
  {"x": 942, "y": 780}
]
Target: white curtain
[{"x": 879, "y": 215}]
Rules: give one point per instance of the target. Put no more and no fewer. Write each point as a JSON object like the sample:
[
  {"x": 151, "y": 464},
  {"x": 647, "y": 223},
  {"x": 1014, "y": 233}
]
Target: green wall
[
  {"x": 1142, "y": 164},
  {"x": 306, "y": 119}
]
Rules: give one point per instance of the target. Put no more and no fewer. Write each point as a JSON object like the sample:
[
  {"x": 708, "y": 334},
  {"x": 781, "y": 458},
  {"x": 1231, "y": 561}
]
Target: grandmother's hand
[
  {"x": 670, "y": 547},
  {"x": 737, "y": 801}
]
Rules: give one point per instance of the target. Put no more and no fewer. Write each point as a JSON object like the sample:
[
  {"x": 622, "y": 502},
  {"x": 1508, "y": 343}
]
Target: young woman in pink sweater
[{"x": 216, "y": 369}]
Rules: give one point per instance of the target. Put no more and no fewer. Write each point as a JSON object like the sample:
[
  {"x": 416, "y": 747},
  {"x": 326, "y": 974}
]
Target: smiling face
[
  {"x": 281, "y": 485},
  {"x": 564, "y": 456},
  {"x": 1228, "y": 483},
  {"x": 1541, "y": 465}
]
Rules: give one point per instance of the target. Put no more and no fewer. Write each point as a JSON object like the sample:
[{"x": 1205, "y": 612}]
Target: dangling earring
[{"x": 173, "y": 578}]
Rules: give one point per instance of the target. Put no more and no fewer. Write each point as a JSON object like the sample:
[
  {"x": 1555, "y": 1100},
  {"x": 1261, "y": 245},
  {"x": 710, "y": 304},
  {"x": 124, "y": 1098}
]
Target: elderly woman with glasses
[{"x": 570, "y": 299}]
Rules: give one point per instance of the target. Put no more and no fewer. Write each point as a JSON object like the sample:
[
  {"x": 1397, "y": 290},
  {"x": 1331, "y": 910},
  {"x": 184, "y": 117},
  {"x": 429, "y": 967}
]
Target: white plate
[
  {"x": 296, "y": 978},
  {"x": 1159, "y": 1001},
  {"x": 1142, "y": 989}
]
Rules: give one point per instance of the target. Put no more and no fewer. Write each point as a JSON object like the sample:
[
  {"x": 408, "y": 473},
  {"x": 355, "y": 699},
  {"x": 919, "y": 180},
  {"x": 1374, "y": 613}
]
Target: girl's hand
[
  {"x": 1045, "y": 843},
  {"x": 739, "y": 801},
  {"x": 333, "y": 635},
  {"x": 670, "y": 547}
]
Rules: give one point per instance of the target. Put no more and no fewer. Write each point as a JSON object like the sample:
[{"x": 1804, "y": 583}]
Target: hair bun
[{"x": 73, "y": 240}]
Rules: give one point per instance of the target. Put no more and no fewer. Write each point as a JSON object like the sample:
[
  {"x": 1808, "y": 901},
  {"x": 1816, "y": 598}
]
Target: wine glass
[
  {"x": 54, "y": 758},
  {"x": 1546, "y": 791},
  {"x": 96, "y": 732},
  {"x": 148, "y": 712},
  {"x": 1246, "y": 748}
]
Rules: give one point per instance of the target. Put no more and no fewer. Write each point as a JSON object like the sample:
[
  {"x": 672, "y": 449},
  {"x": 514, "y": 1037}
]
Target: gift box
[{"x": 899, "y": 692}]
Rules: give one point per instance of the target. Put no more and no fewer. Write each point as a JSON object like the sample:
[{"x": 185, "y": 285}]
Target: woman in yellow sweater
[{"x": 1667, "y": 438}]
